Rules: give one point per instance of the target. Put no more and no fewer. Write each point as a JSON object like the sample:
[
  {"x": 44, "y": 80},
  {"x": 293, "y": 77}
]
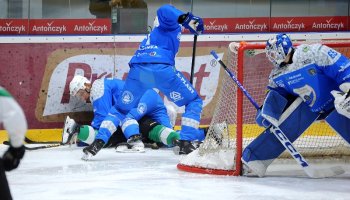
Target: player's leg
[
  {"x": 132, "y": 92},
  {"x": 260, "y": 153},
  {"x": 4, "y": 186},
  {"x": 180, "y": 91},
  {"x": 340, "y": 124},
  {"x": 157, "y": 132},
  {"x": 107, "y": 128}
]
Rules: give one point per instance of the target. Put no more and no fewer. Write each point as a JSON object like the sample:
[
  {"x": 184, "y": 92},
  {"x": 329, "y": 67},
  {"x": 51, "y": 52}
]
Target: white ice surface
[{"x": 59, "y": 173}]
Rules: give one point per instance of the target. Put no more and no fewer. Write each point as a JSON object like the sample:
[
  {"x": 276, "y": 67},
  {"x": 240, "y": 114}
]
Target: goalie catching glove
[
  {"x": 192, "y": 23},
  {"x": 342, "y": 99}
]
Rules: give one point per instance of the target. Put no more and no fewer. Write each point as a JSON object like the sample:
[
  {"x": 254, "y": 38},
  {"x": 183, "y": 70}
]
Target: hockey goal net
[{"x": 233, "y": 124}]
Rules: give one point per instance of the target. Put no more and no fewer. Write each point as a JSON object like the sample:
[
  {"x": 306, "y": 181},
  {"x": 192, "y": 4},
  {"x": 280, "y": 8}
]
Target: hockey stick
[
  {"x": 193, "y": 57},
  {"x": 311, "y": 172},
  {"x": 29, "y": 141},
  {"x": 37, "y": 147}
]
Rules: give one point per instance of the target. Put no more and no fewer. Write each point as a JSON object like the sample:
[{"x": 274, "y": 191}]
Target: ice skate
[
  {"x": 92, "y": 149},
  {"x": 70, "y": 131},
  {"x": 183, "y": 147},
  {"x": 133, "y": 145}
]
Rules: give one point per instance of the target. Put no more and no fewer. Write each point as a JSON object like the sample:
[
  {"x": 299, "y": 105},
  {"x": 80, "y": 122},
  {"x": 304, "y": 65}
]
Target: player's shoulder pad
[
  {"x": 97, "y": 90},
  {"x": 303, "y": 51}
]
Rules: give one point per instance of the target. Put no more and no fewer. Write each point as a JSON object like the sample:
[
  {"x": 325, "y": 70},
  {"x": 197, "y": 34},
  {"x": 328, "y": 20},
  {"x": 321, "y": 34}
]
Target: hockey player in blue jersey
[
  {"x": 308, "y": 83},
  {"x": 153, "y": 66},
  {"x": 156, "y": 126}
]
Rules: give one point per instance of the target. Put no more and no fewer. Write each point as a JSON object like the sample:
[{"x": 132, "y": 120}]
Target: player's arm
[
  {"x": 14, "y": 121},
  {"x": 169, "y": 17},
  {"x": 275, "y": 102},
  {"x": 336, "y": 66}
]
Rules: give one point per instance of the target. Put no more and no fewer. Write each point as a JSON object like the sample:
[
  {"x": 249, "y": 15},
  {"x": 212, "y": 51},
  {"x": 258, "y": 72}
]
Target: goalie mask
[
  {"x": 78, "y": 83},
  {"x": 277, "y": 48}
]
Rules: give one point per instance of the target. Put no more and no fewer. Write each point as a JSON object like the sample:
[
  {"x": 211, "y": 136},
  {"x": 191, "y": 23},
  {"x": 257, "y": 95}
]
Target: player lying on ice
[
  {"x": 151, "y": 113},
  {"x": 308, "y": 83},
  {"x": 153, "y": 66}
]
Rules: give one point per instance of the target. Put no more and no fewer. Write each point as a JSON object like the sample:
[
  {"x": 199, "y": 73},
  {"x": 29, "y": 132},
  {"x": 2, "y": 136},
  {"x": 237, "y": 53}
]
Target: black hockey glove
[{"x": 12, "y": 157}]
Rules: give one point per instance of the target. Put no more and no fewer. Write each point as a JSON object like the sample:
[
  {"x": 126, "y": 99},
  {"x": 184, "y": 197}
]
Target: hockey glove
[
  {"x": 260, "y": 120},
  {"x": 12, "y": 157},
  {"x": 342, "y": 99},
  {"x": 192, "y": 23}
]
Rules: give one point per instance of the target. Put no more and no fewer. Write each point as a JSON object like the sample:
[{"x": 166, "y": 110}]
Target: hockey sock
[
  {"x": 87, "y": 134},
  {"x": 163, "y": 134}
]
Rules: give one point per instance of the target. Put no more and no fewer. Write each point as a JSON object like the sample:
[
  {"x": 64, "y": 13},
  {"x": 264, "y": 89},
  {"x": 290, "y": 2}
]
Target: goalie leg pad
[
  {"x": 340, "y": 124},
  {"x": 293, "y": 122}
]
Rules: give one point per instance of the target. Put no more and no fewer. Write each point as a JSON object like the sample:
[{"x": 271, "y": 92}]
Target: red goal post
[{"x": 233, "y": 124}]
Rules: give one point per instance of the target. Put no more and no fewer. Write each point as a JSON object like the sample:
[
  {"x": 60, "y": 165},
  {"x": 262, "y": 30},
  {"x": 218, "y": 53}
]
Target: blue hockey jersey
[
  {"x": 162, "y": 44},
  {"x": 316, "y": 70},
  {"x": 104, "y": 94}
]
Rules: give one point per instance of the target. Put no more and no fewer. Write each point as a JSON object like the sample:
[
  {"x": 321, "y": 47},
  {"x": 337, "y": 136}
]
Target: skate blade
[
  {"x": 125, "y": 149},
  {"x": 176, "y": 150},
  {"x": 86, "y": 156}
]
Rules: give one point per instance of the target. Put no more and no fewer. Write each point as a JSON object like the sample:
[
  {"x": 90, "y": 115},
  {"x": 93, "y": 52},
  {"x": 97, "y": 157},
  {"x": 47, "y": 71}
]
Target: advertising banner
[
  {"x": 211, "y": 25},
  {"x": 38, "y": 76}
]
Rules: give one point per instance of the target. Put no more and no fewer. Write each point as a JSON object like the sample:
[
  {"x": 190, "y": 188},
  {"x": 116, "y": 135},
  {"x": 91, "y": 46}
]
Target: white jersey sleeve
[{"x": 13, "y": 118}]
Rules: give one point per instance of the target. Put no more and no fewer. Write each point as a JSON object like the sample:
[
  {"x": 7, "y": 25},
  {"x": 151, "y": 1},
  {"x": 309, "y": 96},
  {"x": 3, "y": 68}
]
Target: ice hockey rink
[{"x": 59, "y": 173}]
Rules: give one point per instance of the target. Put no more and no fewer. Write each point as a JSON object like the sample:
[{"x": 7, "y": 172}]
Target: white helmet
[{"x": 77, "y": 84}]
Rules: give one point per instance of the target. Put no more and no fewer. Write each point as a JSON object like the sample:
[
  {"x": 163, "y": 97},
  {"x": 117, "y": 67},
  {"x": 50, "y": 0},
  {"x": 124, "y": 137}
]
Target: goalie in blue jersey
[
  {"x": 309, "y": 82},
  {"x": 153, "y": 66},
  {"x": 156, "y": 120}
]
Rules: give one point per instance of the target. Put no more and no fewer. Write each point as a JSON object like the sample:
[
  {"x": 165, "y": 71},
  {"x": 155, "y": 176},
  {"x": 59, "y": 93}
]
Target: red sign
[
  {"x": 69, "y": 26},
  {"x": 308, "y": 24},
  {"x": 13, "y": 26},
  {"x": 233, "y": 25},
  {"x": 211, "y": 25}
]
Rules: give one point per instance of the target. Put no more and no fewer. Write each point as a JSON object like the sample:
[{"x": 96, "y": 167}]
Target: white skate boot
[{"x": 70, "y": 131}]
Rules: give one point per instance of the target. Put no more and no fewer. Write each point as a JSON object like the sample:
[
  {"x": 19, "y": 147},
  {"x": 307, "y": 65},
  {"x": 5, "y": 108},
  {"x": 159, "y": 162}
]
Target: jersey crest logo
[
  {"x": 175, "y": 96},
  {"x": 127, "y": 97},
  {"x": 142, "y": 108},
  {"x": 312, "y": 72},
  {"x": 307, "y": 93}
]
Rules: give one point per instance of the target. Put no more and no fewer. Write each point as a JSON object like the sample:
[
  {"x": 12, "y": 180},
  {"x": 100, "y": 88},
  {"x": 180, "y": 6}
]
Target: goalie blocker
[{"x": 293, "y": 121}]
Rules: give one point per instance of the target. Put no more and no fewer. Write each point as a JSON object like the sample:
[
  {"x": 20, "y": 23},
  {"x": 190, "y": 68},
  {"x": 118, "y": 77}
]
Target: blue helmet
[{"x": 277, "y": 48}]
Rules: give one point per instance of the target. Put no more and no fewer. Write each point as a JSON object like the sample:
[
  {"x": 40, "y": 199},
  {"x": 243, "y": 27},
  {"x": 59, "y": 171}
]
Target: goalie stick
[{"x": 310, "y": 171}]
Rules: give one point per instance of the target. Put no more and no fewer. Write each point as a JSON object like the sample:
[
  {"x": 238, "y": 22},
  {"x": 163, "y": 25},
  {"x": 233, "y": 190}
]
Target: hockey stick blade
[
  {"x": 325, "y": 172},
  {"x": 311, "y": 172}
]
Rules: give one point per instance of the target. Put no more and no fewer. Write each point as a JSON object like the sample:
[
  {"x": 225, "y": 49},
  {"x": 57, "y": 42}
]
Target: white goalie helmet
[
  {"x": 277, "y": 48},
  {"x": 78, "y": 83}
]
